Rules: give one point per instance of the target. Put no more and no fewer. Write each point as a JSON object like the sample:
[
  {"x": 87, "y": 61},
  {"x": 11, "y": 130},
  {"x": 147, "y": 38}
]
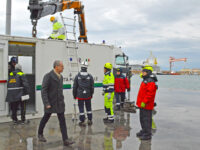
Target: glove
[
  {"x": 109, "y": 95},
  {"x": 128, "y": 90},
  {"x": 143, "y": 104},
  {"x": 103, "y": 93}
]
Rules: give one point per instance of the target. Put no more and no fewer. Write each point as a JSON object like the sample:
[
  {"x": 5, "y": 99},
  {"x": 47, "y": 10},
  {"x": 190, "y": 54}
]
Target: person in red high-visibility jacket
[
  {"x": 121, "y": 84},
  {"x": 145, "y": 101}
]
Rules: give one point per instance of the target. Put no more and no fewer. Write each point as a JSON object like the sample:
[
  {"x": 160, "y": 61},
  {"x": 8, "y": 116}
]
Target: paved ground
[{"x": 177, "y": 123}]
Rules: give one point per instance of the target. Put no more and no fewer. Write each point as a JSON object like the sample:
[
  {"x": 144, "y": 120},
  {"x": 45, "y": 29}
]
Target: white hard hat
[
  {"x": 18, "y": 66},
  {"x": 84, "y": 64}
]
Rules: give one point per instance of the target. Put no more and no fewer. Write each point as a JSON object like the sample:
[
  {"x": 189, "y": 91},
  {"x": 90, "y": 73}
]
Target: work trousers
[
  {"x": 146, "y": 121},
  {"x": 14, "y": 108},
  {"x": 108, "y": 104},
  {"x": 61, "y": 118},
  {"x": 120, "y": 97},
  {"x": 88, "y": 109}
]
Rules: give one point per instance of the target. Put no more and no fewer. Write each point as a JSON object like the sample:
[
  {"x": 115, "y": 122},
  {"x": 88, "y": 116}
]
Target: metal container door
[{"x": 3, "y": 76}]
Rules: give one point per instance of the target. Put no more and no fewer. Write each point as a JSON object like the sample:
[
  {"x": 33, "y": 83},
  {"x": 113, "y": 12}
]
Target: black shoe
[
  {"x": 15, "y": 122},
  {"x": 89, "y": 122},
  {"x": 145, "y": 137},
  {"x": 105, "y": 119},
  {"x": 139, "y": 134},
  {"x": 41, "y": 138},
  {"x": 68, "y": 142},
  {"x": 82, "y": 123},
  {"x": 118, "y": 108},
  {"x": 109, "y": 121},
  {"x": 24, "y": 122}
]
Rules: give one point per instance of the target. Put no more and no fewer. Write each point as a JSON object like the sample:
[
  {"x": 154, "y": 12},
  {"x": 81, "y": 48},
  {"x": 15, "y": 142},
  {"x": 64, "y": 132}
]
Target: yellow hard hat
[
  {"x": 108, "y": 66},
  {"x": 52, "y": 18},
  {"x": 147, "y": 67}
]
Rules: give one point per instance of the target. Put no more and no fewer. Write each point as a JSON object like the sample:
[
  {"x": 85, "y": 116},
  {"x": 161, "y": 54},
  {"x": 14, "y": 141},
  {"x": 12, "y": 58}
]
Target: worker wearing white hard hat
[{"x": 83, "y": 90}]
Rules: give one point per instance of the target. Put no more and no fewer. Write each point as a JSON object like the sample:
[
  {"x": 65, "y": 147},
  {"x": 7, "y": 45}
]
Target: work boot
[
  {"x": 82, "y": 123},
  {"x": 139, "y": 134},
  {"x": 145, "y": 137},
  {"x": 15, "y": 122},
  {"x": 105, "y": 119},
  {"x": 118, "y": 108},
  {"x": 68, "y": 142},
  {"x": 41, "y": 138},
  {"x": 24, "y": 122},
  {"x": 122, "y": 105},
  {"x": 89, "y": 122}
]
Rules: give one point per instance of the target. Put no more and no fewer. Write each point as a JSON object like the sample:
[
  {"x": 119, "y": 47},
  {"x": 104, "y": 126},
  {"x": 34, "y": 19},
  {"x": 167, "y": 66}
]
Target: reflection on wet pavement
[
  {"x": 177, "y": 129},
  {"x": 98, "y": 136}
]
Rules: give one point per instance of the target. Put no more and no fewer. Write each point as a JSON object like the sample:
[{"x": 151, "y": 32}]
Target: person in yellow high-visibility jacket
[
  {"x": 58, "y": 30},
  {"x": 108, "y": 92}
]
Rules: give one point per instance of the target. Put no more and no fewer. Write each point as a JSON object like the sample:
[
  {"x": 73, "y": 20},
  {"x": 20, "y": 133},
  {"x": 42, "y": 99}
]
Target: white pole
[{"x": 8, "y": 17}]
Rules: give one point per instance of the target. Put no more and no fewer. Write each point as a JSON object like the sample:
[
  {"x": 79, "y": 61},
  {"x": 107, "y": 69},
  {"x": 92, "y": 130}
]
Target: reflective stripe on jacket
[
  {"x": 58, "y": 31},
  {"x": 83, "y": 87},
  {"x": 108, "y": 82},
  {"x": 17, "y": 86}
]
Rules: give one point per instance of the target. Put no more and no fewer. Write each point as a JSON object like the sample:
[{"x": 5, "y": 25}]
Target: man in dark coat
[
  {"x": 53, "y": 100},
  {"x": 83, "y": 90},
  {"x": 17, "y": 87}
]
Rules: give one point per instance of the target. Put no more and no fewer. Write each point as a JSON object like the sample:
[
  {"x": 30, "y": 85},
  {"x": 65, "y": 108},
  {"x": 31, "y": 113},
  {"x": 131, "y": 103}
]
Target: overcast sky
[{"x": 165, "y": 27}]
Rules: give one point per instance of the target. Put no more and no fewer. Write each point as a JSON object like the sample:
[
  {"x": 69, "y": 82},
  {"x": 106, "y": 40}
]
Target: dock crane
[
  {"x": 172, "y": 59},
  {"x": 40, "y": 9}
]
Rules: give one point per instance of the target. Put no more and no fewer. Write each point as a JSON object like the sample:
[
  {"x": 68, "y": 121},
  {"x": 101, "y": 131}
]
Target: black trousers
[
  {"x": 146, "y": 121},
  {"x": 14, "y": 108},
  {"x": 120, "y": 96},
  {"x": 61, "y": 118},
  {"x": 81, "y": 109}
]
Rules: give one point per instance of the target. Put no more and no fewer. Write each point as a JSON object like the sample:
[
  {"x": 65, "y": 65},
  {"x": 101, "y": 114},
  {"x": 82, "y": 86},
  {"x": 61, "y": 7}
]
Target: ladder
[
  {"x": 72, "y": 53},
  {"x": 71, "y": 45}
]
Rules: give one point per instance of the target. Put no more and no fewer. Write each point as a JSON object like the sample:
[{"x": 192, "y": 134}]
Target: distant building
[
  {"x": 137, "y": 68},
  {"x": 151, "y": 60},
  {"x": 190, "y": 71}
]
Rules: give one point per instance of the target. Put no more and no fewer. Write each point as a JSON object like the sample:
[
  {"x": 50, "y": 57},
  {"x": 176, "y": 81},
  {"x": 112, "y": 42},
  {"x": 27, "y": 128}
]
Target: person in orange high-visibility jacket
[{"x": 145, "y": 101}]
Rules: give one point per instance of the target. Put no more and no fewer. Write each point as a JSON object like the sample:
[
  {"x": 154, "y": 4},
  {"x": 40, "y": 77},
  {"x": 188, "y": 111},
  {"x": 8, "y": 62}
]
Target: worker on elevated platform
[{"x": 58, "y": 29}]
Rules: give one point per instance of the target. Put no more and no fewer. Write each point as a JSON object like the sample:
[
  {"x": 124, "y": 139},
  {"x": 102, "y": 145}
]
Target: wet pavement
[{"x": 177, "y": 121}]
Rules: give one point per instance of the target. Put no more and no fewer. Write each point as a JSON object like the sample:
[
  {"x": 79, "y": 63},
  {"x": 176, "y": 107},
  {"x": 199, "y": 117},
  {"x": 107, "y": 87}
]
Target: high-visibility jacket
[
  {"x": 121, "y": 84},
  {"x": 108, "y": 82},
  {"x": 147, "y": 93},
  {"x": 58, "y": 31},
  {"x": 17, "y": 86}
]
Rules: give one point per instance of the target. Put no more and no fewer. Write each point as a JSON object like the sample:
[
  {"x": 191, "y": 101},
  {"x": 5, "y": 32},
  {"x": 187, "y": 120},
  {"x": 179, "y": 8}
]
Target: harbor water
[{"x": 177, "y": 121}]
